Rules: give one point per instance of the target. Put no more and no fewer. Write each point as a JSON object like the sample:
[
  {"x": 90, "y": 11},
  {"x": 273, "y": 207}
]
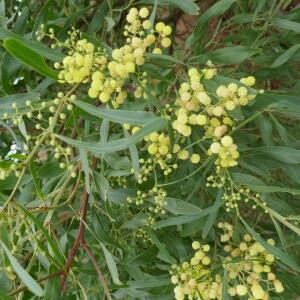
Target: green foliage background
[{"x": 259, "y": 38}]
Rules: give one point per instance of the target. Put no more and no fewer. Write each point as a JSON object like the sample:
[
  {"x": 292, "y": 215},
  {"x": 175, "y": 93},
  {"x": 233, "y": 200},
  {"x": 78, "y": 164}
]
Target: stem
[
  {"x": 246, "y": 122},
  {"x": 39, "y": 142},
  {"x": 24, "y": 288},
  {"x": 93, "y": 259},
  {"x": 79, "y": 240}
]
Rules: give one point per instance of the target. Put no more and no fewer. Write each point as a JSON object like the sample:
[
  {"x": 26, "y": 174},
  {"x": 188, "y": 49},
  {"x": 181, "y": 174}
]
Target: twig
[
  {"x": 93, "y": 259},
  {"x": 24, "y": 288},
  {"x": 79, "y": 240}
]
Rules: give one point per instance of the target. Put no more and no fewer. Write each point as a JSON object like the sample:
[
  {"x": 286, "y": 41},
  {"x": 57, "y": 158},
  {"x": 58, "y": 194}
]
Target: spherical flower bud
[
  {"x": 176, "y": 148},
  {"x": 206, "y": 248},
  {"x": 104, "y": 97},
  {"x": 199, "y": 255},
  {"x": 185, "y": 130},
  {"x": 163, "y": 149},
  {"x": 271, "y": 242},
  {"x": 183, "y": 154},
  {"x": 241, "y": 290},
  {"x": 147, "y": 24},
  {"x": 232, "y": 87},
  {"x": 230, "y": 105},
  {"x": 232, "y": 291},
  {"x": 152, "y": 149},
  {"x": 257, "y": 291},
  {"x": 266, "y": 269},
  {"x": 174, "y": 279},
  {"x": 144, "y": 12},
  {"x": 220, "y": 130},
  {"x": 278, "y": 286},
  {"x": 160, "y": 26},
  {"x": 218, "y": 111},
  {"x": 195, "y": 158},
  {"x": 157, "y": 51},
  {"x": 166, "y": 42},
  {"x": 224, "y": 238},
  {"x": 258, "y": 268},
  {"x": 270, "y": 258},
  {"x": 215, "y": 147},
  {"x": 196, "y": 245},
  {"x": 271, "y": 276},
  {"x": 205, "y": 260},
  {"x": 227, "y": 141},
  {"x": 242, "y": 91},
  {"x": 247, "y": 237},
  {"x": 201, "y": 120},
  {"x": 204, "y": 98},
  {"x": 243, "y": 246},
  {"x": 167, "y": 30},
  {"x": 222, "y": 91},
  {"x": 210, "y": 73}
]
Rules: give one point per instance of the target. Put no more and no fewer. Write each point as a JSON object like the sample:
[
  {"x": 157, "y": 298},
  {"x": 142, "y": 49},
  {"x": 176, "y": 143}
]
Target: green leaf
[
  {"x": 73, "y": 18},
  {"x": 37, "y": 47},
  {"x": 163, "y": 58},
  {"x": 29, "y": 57},
  {"x": 177, "y": 206},
  {"x": 149, "y": 283},
  {"x": 98, "y": 18},
  {"x": 275, "y": 251},
  {"x": 42, "y": 18},
  {"x": 85, "y": 164},
  {"x": 102, "y": 185},
  {"x": 225, "y": 285},
  {"x": 266, "y": 130},
  {"x": 53, "y": 287},
  {"x": 283, "y": 104},
  {"x": 188, "y": 6},
  {"x": 111, "y": 265},
  {"x": 118, "y": 116},
  {"x": 213, "y": 215},
  {"x": 285, "y": 24},
  {"x": 4, "y": 296},
  {"x": 228, "y": 55},
  {"x": 120, "y": 144},
  {"x": 9, "y": 65},
  {"x": 217, "y": 9},
  {"x": 285, "y": 56},
  {"x": 186, "y": 218},
  {"x": 282, "y": 154},
  {"x": 56, "y": 251},
  {"x": 160, "y": 246},
  {"x": 32, "y": 285},
  {"x": 143, "y": 258}
]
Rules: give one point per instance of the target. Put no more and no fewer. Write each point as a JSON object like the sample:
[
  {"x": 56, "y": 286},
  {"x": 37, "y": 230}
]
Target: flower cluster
[
  {"x": 6, "y": 167},
  {"x": 156, "y": 198},
  {"x": 108, "y": 76},
  {"x": 197, "y": 107},
  {"x": 248, "y": 265}
]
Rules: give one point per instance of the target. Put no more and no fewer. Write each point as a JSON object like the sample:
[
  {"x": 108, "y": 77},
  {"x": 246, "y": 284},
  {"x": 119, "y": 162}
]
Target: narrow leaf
[
  {"x": 118, "y": 116},
  {"x": 29, "y": 57},
  {"x": 32, "y": 285}
]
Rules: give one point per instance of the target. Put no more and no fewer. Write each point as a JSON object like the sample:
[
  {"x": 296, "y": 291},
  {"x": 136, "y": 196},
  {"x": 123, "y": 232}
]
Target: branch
[
  {"x": 93, "y": 259},
  {"x": 24, "y": 288}
]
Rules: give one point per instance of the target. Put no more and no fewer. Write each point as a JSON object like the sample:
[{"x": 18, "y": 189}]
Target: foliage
[{"x": 143, "y": 158}]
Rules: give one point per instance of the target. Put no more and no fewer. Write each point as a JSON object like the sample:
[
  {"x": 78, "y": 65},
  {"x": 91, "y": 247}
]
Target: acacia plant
[{"x": 146, "y": 158}]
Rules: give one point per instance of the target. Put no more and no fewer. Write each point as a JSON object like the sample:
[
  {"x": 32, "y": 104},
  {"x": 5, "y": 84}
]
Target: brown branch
[
  {"x": 101, "y": 277},
  {"x": 79, "y": 240},
  {"x": 80, "y": 236},
  {"x": 24, "y": 288}
]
